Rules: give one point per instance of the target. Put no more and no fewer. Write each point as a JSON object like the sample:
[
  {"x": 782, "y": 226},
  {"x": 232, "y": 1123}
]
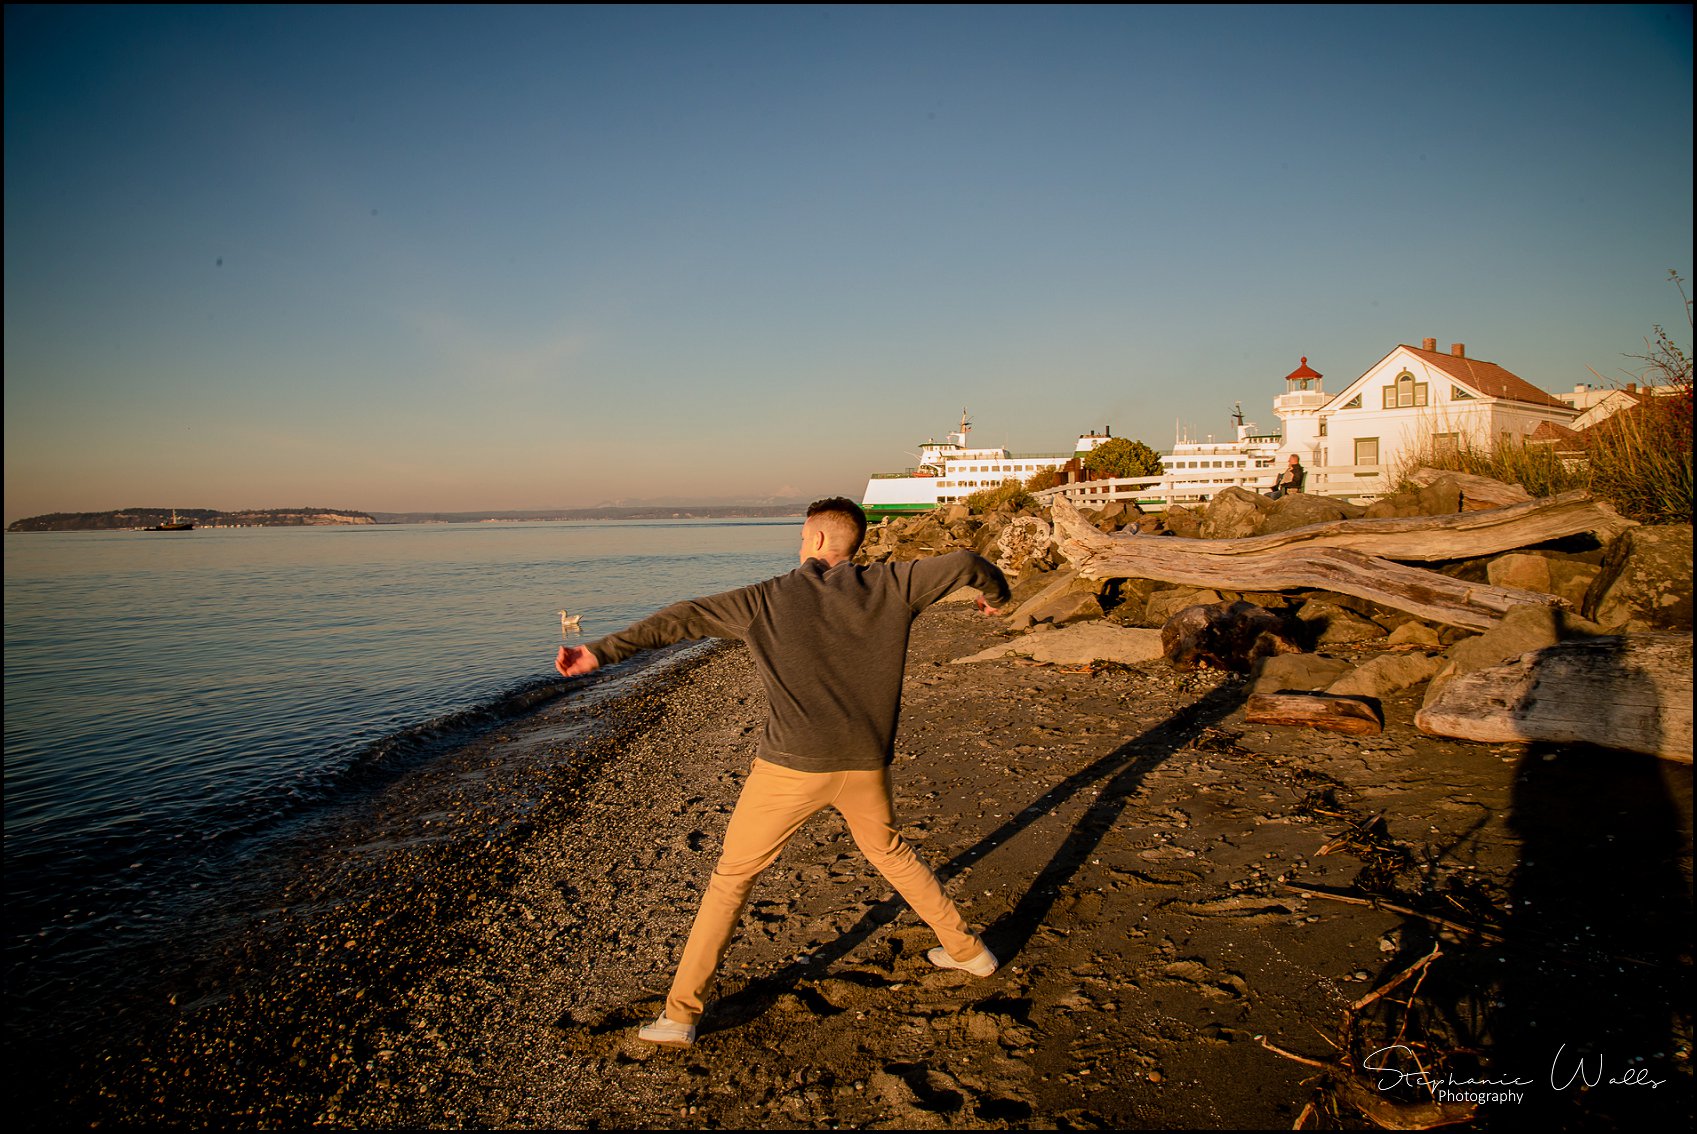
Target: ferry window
[{"x": 1366, "y": 450}]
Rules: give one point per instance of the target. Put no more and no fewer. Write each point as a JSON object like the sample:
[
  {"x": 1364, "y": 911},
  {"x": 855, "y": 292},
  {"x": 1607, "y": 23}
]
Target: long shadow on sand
[{"x": 1120, "y": 774}]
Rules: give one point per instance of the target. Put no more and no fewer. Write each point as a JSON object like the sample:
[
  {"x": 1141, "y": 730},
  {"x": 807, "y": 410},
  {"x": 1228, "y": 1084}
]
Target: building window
[
  {"x": 1460, "y": 395},
  {"x": 1323, "y": 423},
  {"x": 1446, "y": 444},
  {"x": 1367, "y": 450},
  {"x": 1353, "y": 403},
  {"x": 1407, "y": 392}
]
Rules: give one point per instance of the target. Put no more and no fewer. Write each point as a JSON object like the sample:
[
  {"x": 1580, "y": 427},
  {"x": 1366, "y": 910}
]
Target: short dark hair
[{"x": 848, "y": 510}]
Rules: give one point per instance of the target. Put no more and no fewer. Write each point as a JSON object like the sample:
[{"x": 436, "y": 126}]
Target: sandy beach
[{"x": 1186, "y": 907}]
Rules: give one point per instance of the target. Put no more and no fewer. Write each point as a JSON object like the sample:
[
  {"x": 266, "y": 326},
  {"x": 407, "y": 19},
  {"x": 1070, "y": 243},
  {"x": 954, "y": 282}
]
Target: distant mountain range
[
  {"x": 602, "y": 512},
  {"x": 125, "y": 519}
]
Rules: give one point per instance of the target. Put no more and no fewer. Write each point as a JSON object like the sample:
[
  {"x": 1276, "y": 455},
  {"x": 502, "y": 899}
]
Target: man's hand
[
  {"x": 575, "y": 661},
  {"x": 985, "y": 608}
]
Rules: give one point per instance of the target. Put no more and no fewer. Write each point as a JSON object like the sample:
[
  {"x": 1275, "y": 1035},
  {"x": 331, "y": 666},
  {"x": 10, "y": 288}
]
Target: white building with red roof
[
  {"x": 1413, "y": 399},
  {"x": 1352, "y": 444}
]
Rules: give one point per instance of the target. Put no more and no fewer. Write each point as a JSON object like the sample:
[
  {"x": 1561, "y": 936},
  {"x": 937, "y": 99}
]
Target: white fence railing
[{"x": 1154, "y": 493}]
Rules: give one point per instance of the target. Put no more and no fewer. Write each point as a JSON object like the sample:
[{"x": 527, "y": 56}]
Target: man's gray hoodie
[{"x": 830, "y": 644}]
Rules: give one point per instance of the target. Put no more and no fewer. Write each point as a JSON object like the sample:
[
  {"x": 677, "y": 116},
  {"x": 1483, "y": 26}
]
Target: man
[
  {"x": 1290, "y": 480},
  {"x": 830, "y": 643}
]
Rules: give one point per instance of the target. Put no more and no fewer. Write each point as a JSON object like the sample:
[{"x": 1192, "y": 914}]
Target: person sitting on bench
[{"x": 1291, "y": 479}]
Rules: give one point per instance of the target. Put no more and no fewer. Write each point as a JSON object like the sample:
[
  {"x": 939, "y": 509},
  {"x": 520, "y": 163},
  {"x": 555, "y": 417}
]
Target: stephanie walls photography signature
[{"x": 1566, "y": 1070}]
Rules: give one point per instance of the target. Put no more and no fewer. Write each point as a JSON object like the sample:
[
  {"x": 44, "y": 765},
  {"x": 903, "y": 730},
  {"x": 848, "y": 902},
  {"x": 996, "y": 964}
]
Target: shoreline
[{"x": 1125, "y": 842}]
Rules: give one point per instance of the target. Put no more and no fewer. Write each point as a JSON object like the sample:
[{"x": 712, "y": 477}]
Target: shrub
[
  {"x": 1044, "y": 478},
  {"x": 1122, "y": 456},
  {"x": 1640, "y": 459},
  {"x": 1009, "y": 492}
]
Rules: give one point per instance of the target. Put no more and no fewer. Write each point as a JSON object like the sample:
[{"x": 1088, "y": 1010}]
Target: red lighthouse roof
[{"x": 1303, "y": 372}]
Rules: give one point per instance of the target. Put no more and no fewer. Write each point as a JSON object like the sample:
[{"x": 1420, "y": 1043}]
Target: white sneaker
[
  {"x": 980, "y": 966},
  {"x": 668, "y": 1033}
]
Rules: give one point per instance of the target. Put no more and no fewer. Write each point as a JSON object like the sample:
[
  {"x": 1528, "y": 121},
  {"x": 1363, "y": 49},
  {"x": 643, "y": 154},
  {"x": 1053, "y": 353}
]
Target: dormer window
[{"x": 1405, "y": 392}]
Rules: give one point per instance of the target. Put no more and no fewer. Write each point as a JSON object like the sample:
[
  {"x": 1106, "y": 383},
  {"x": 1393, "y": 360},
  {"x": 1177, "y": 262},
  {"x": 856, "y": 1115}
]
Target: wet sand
[{"x": 1173, "y": 894}]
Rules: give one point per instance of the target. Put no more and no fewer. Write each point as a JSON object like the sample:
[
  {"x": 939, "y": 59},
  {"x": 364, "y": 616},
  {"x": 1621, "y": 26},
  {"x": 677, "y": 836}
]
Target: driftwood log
[
  {"x": 1476, "y": 491},
  {"x": 1426, "y": 539},
  {"x": 1314, "y": 710},
  {"x": 1424, "y": 594},
  {"x": 1626, "y": 691}
]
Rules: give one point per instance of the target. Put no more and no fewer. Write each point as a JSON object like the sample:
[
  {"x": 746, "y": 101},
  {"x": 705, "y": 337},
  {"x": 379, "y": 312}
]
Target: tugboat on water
[{"x": 175, "y": 525}]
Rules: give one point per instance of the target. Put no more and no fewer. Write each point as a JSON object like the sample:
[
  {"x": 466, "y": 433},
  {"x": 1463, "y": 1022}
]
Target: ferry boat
[
  {"x": 1197, "y": 471},
  {"x": 951, "y": 470},
  {"x": 1193, "y": 473}
]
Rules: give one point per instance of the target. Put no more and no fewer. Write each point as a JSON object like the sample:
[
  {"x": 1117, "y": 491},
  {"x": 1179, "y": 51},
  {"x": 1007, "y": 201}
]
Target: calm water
[{"x": 173, "y": 699}]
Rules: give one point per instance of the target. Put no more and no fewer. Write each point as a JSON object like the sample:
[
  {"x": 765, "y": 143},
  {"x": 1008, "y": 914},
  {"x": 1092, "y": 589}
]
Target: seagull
[{"x": 568, "y": 622}]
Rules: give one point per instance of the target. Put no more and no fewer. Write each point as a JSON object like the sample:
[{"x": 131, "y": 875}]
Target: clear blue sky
[{"x": 454, "y": 258}]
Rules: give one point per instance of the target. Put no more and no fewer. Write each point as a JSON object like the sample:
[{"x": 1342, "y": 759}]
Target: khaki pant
[{"x": 775, "y": 802}]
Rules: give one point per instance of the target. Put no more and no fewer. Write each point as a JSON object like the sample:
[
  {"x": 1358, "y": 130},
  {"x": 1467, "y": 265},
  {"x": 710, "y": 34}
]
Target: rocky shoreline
[
  {"x": 1205, "y": 922},
  {"x": 1150, "y": 868}
]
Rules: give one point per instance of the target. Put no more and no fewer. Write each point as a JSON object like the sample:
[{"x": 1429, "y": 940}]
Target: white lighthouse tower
[{"x": 1298, "y": 410}]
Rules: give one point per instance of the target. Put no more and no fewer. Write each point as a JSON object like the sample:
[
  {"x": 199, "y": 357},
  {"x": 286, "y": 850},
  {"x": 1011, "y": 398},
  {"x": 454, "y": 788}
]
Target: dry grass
[{"x": 1639, "y": 460}]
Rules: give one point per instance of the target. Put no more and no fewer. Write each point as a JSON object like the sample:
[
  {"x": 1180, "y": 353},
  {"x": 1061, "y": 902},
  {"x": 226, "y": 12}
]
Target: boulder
[
  {"x": 1060, "y": 610},
  {"x": 1332, "y": 624},
  {"x": 1550, "y": 573},
  {"x": 1162, "y": 605},
  {"x": 1184, "y": 522},
  {"x": 1440, "y": 498},
  {"x": 1413, "y": 633},
  {"x": 1298, "y": 510},
  {"x": 1520, "y": 569},
  {"x": 1571, "y": 579},
  {"x": 1023, "y": 540},
  {"x": 1645, "y": 582},
  {"x": 1133, "y": 602},
  {"x": 1224, "y": 635},
  {"x": 1286, "y": 672},
  {"x": 1067, "y": 598},
  {"x": 1386, "y": 674},
  {"x": 1115, "y": 514},
  {"x": 1478, "y": 493},
  {"x": 1523, "y": 629},
  {"x": 1079, "y": 645},
  {"x": 1234, "y": 514}
]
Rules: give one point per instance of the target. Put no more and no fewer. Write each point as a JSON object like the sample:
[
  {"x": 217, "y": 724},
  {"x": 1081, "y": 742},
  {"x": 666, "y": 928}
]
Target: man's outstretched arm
[
  {"x": 717, "y": 616},
  {"x": 575, "y": 661}
]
